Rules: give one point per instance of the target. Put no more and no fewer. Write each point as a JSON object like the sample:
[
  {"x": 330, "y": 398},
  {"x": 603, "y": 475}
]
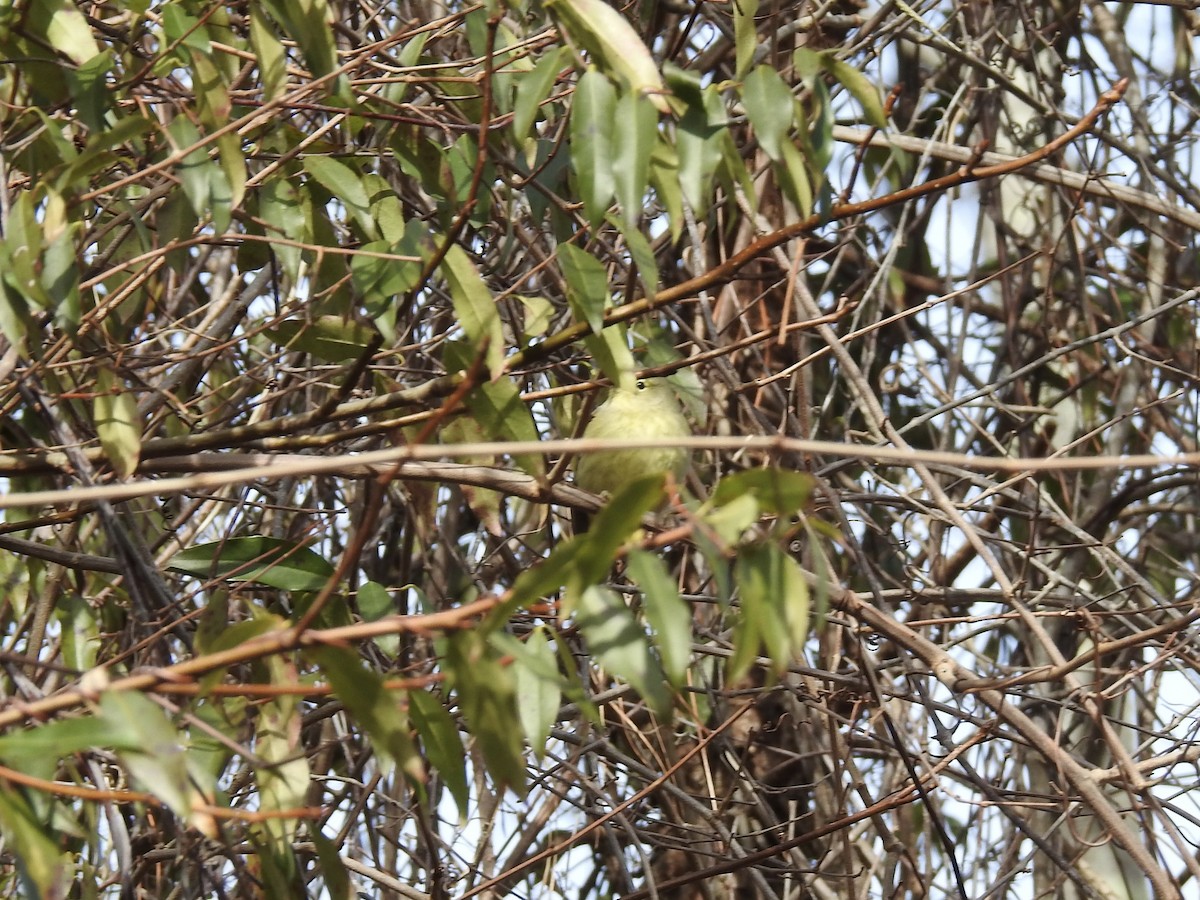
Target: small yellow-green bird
[{"x": 646, "y": 411}]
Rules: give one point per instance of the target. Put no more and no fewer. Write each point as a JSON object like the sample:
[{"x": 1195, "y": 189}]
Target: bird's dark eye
[{"x": 641, "y": 385}]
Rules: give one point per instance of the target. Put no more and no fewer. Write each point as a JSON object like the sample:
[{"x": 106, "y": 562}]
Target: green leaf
[
  {"x": 375, "y": 603},
  {"x": 643, "y": 256},
  {"x": 612, "y": 44},
  {"x": 24, "y": 241},
  {"x": 485, "y": 503},
  {"x": 859, "y": 86},
  {"x": 591, "y": 130},
  {"x": 610, "y": 353},
  {"x": 499, "y": 410},
  {"x": 620, "y": 645},
  {"x": 333, "y": 871},
  {"x": 329, "y": 338},
  {"x": 475, "y": 307},
  {"x": 666, "y": 612},
  {"x": 822, "y": 566},
  {"x": 276, "y": 873},
  {"x": 441, "y": 744},
  {"x": 587, "y": 285},
  {"x": 213, "y": 717},
  {"x": 80, "y": 631},
  {"x": 809, "y": 64},
  {"x": 793, "y": 177},
  {"x": 698, "y": 140},
  {"x": 533, "y": 88},
  {"x": 419, "y": 157},
  {"x": 820, "y": 142},
  {"x": 551, "y": 175},
  {"x": 271, "y": 561},
  {"x": 280, "y": 207},
  {"x": 394, "y": 277},
  {"x": 117, "y": 423},
  {"x": 195, "y": 171},
  {"x": 745, "y": 34},
  {"x": 539, "y": 684},
  {"x": 458, "y": 172},
  {"x": 344, "y": 185},
  {"x": 664, "y": 178},
  {"x": 232, "y": 184},
  {"x": 747, "y": 641},
  {"x": 770, "y": 109},
  {"x": 45, "y": 871},
  {"x": 183, "y": 29},
  {"x": 284, "y": 776},
  {"x": 774, "y": 607},
  {"x": 375, "y": 709},
  {"x": 210, "y": 90},
  {"x": 90, "y": 90},
  {"x": 234, "y": 635},
  {"x": 269, "y": 51},
  {"x": 307, "y": 22},
  {"x": 60, "y": 273},
  {"x": 537, "y": 582},
  {"x": 386, "y": 208},
  {"x": 634, "y": 135},
  {"x": 587, "y": 294},
  {"x": 729, "y": 519},
  {"x": 628, "y": 506},
  {"x": 156, "y": 759},
  {"x": 488, "y": 700},
  {"x": 39, "y": 749},
  {"x": 620, "y": 518},
  {"x": 63, "y": 27},
  {"x": 227, "y": 180},
  {"x": 778, "y": 491}
]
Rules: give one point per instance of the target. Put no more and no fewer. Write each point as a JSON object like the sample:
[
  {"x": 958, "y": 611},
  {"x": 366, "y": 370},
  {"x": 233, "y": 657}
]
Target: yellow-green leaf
[
  {"x": 373, "y": 708},
  {"x": 778, "y": 491},
  {"x": 488, "y": 700},
  {"x": 475, "y": 307},
  {"x": 793, "y": 176},
  {"x": 612, "y": 44},
  {"x": 344, "y": 185},
  {"x": 774, "y": 608},
  {"x": 539, "y": 684},
  {"x": 539, "y": 313},
  {"x": 769, "y": 107},
  {"x": 156, "y": 761},
  {"x": 272, "y": 58},
  {"x": 634, "y": 135},
  {"x": 532, "y": 89},
  {"x": 620, "y": 645},
  {"x": 859, "y": 86},
  {"x": 592, "y": 121},
  {"x": 441, "y": 742},
  {"x": 65, "y": 29},
  {"x": 745, "y": 34},
  {"x": 117, "y": 423},
  {"x": 283, "y": 777},
  {"x": 666, "y": 612}
]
